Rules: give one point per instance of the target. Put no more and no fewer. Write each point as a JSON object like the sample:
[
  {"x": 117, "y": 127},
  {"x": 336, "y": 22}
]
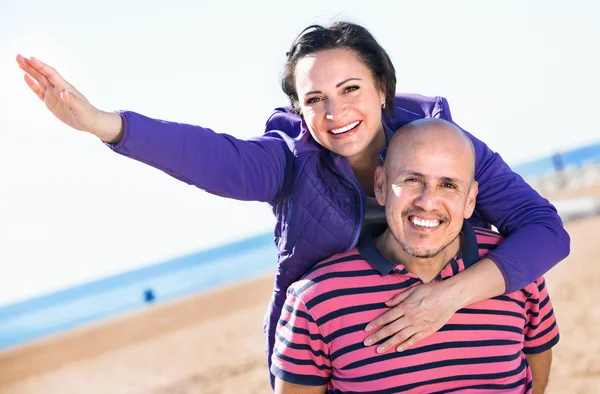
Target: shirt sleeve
[
  {"x": 519, "y": 212},
  {"x": 257, "y": 169},
  {"x": 301, "y": 355},
  {"x": 540, "y": 330}
]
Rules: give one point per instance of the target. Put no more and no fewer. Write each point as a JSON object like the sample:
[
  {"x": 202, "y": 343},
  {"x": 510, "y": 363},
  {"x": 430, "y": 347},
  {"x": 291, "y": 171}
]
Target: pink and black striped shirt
[{"x": 482, "y": 348}]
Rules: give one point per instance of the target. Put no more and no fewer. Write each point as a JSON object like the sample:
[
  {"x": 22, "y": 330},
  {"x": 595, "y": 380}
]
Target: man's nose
[{"x": 427, "y": 199}]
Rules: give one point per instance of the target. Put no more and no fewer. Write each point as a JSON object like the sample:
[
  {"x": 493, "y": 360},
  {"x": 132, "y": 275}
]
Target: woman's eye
[
  {"x": 312, "y": 100},
  {"x": 351, "y": 88}
]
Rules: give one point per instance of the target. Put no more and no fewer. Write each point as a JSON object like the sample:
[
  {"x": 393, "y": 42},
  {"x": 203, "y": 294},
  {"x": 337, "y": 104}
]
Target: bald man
[{"x": 428, "y": 189}]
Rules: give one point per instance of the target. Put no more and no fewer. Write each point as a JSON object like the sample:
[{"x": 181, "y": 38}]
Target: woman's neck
[{"x": 365, "y": 164}]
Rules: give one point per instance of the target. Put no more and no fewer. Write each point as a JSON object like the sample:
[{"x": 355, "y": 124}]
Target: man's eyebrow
[
  {"x": 408, "y": 173},
  {"x": 418, "y": 174},
  {"x": 448, "y": 179},
  {"x": 411, "y": 173},
  {"x": 337, "y": 86}
]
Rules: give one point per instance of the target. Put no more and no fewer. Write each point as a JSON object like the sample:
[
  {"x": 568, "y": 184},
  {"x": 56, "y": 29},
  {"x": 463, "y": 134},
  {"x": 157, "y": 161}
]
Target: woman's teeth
[{"x": 345, "y": 128}]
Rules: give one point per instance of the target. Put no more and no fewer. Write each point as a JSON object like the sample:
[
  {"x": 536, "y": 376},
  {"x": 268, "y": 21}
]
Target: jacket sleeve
[
  {"x": 253, "y": 170},
  {"x": 536, "y": 239}
]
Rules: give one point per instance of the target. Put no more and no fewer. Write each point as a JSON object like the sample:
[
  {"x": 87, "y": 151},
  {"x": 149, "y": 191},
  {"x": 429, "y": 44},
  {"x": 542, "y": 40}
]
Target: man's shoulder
[
  {"x": 321, "y": 278},
  {"x": 532, "y": 292},
  {"x": 487, "y": 239}
]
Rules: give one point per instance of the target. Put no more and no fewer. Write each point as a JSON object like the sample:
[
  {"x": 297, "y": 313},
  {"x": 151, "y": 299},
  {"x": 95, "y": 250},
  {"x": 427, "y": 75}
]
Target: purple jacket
[{"x": 318, "y": 202}]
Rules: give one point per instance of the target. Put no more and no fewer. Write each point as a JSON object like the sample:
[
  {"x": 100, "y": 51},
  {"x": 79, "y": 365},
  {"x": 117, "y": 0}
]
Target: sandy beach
[{"x": 213, "y": 342}]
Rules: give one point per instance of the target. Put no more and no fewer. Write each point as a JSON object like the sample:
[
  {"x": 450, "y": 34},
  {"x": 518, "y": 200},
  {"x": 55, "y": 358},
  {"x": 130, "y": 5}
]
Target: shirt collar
[{"x": 368, "y": 250}]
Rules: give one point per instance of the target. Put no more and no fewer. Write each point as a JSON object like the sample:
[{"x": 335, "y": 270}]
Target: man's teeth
[
  {"x": 425, "y": 223},
  {"x": 345, "y": 128}
]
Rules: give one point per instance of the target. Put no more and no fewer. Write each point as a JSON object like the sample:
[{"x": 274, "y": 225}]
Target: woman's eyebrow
[
  {"x": 337, "y": 86},
  {"x": 347, "y": 80}
]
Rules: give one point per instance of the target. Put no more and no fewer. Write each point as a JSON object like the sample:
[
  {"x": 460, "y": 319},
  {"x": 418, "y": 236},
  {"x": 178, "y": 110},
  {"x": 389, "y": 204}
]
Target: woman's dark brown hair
[{"x": 344, "y": 35}]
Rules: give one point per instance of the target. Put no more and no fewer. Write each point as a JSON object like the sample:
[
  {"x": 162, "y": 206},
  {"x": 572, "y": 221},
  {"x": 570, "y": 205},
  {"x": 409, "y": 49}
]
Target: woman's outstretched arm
[{"x": 255, "y": 169}]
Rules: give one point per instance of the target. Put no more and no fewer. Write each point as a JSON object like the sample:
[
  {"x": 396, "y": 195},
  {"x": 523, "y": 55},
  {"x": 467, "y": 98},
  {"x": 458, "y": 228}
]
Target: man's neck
[{"x": 424, "y": 268}]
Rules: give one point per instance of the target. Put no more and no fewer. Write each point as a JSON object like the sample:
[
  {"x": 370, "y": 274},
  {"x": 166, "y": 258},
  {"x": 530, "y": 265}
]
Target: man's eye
[
  {"x": 312, "y": 100},
  {"x": 351, "y": 88},
  {"x": 412, "y": 180},
  {"x": 449, "y": 185}
]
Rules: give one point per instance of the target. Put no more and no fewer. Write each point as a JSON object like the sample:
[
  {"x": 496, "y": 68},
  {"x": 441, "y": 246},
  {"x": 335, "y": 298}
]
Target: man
[{"x": 428, "y": 190}]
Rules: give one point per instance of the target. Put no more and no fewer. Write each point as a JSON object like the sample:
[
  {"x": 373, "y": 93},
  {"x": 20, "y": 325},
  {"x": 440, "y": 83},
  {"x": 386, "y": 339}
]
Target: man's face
[{"x": 427, "y": 190}]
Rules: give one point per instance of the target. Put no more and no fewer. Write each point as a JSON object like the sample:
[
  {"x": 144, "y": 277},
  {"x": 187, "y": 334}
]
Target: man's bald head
[
  {"x": 427, "y": 188},
  {"x": 431, "y": 134}
]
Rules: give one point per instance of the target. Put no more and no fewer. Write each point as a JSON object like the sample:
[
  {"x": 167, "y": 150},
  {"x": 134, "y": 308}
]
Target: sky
[{"x": 523, "y": 76}]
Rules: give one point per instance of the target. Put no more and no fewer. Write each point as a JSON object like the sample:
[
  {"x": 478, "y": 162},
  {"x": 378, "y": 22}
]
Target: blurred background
[{"x": 117, "y": 278}]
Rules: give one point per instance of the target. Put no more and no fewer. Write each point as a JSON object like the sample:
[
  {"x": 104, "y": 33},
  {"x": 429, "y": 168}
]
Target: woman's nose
[{"x": 335, "y": 110}]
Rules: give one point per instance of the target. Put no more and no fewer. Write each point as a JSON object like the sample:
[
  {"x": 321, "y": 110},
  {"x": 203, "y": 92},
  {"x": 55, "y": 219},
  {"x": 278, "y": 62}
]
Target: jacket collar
[{"x": 388, "y": 136}]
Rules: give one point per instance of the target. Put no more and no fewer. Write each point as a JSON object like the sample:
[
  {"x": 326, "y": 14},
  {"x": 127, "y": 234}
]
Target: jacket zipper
[{"x": 361, "y": 196}]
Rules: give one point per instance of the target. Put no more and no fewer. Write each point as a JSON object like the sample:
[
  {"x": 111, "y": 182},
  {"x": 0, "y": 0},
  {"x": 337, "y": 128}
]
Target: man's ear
[
  {"x": 471, "y": 200},
  {"x": 380, "y": 185}
]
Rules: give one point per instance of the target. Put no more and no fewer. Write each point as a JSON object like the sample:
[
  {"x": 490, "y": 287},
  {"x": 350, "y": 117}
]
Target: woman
[{"x": 315, "y": 166}]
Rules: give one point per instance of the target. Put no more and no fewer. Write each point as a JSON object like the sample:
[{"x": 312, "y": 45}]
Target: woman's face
[{"x": 340, "y": 101}]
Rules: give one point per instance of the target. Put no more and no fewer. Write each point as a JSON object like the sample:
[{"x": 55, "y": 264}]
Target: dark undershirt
[{"x": 374, "y": 215}]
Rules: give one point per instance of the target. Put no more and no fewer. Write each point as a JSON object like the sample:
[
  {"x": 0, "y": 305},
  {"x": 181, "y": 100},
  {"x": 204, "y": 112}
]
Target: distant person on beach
[
  {"x": 498, "y": 345},
  {"x": 315, "y": 166}
]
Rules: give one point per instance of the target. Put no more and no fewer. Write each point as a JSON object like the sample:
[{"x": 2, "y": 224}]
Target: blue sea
[
  {"x": 194, "y": 273},
  {"x": 574, "y": 158}
]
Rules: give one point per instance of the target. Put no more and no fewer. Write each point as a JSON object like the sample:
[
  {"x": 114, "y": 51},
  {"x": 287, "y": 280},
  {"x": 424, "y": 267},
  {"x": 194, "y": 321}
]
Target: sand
[{"x": 213, "y": 343}]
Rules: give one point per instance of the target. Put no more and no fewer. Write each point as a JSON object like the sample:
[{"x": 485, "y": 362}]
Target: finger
[
  {"x": 393, "y": 328},
  {"x": 386, "y": 318},
  {"x": 50, "y": 73},
  {"x": 52, "y": 77},
  {"x": 32, "y": 72},
  {"x": 34, "y": 86},
  {"x": 22, "y": 61},
  {"x": 35, "y": 74},
  {"x": 410, "y": 342},
  {"x": 398, "y": 298},
  {"x": 74, "y": 103},
  {"x": 397, "y": 339}
]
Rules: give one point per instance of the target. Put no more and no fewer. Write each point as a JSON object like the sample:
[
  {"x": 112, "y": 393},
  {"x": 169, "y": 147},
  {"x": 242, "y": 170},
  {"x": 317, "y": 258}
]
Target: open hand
[
  {"x": 416, "y": 314},
  {"x": 67, "y": 103}
]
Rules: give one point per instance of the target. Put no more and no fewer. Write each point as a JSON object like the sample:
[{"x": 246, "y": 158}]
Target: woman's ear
[
  {"x": 380, "y": 185},
  {"x": 382, "y": 95}
]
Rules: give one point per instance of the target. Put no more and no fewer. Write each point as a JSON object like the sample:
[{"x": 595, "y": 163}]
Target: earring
[{"x": 383, "y": 105}]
